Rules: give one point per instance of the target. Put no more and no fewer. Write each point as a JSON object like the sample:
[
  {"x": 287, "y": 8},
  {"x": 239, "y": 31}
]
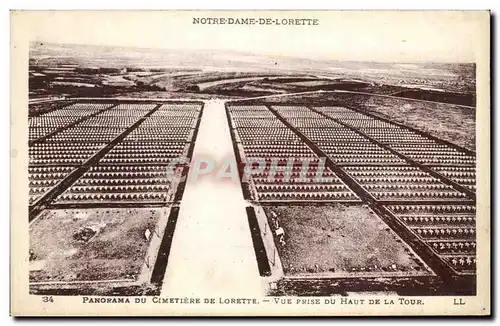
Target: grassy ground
[
  {"x": 41, "y": 108},
  {"x": 60, "y": 252},
  {"x": 343, "y": 240},
  {"x": 171, "y": 95},
  {"x": 319, "y": 82}
]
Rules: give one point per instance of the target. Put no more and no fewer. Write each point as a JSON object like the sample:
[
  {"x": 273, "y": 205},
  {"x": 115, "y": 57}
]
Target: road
[
  {"x": 212, "y": 251},
  {"x": 206, "y": 85}
]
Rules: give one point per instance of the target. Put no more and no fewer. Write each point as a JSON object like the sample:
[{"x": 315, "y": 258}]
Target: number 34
[{"x": 46, "y": 299}]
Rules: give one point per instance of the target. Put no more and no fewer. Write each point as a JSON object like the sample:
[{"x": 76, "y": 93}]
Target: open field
[
  {"x": 56, "y": 69},
  {"x": 168, "y": 95},
  {"x": 318, "y": 82},
  {"x": 342, "y": 241},
  {"x": 90, "y": 244},
  {"x": 279, "y": 85}
]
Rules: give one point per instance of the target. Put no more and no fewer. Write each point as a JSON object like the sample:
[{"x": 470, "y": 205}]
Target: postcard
[{"x": 250, "y": 163}]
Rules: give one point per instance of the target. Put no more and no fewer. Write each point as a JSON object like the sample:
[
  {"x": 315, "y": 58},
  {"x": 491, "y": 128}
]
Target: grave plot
[
  {"x": 451, "y": 161},
  {"x": 435, "y": 154},
  {"x": 137, "y": 169},
  {"x": 449, "y": 230},
  {"x": 266, "y": 134},
  {"x": 346, "y": 153},
  {"x": 335, "y": 140},
  {"x": 44, "y": 178},
  {"x": 110, "y": 200},
  {"x": 448, "y": 160},
  {"x": 62, "y": 153},
  {"x": 465, "y": 176},
  {"x": 292, "y": 187},
  {"x": 396, "y": 135},
  {"x": 53, "y": 156},
  {"x": 402, "y": 183},
  {"x": 106, "y": 184},
  {"x": 339, "y": 112},
  {"x": 333, "y": 136},
  {"x": 296, "y": 112},
  {"x": 454, "y": 164},
  {"x": 45, "y": 124},
  {"x": 281, "y": 155}
]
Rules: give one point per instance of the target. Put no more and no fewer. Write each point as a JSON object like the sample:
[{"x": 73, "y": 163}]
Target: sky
[{"x": 349, "y": 35}]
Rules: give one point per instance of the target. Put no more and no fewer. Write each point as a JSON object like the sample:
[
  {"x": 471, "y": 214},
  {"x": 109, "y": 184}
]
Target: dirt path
[
  {"x": 205, "y": 85},
  {"x": 212, "y": 252}
]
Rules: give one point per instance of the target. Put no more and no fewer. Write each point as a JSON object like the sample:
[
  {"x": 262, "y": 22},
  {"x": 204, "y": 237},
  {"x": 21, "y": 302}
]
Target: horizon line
[{"x": 249, "y": 53}]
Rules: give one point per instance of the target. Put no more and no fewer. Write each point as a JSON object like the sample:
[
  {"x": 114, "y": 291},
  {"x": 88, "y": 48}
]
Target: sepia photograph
[{"x": 250, "y": 163}]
